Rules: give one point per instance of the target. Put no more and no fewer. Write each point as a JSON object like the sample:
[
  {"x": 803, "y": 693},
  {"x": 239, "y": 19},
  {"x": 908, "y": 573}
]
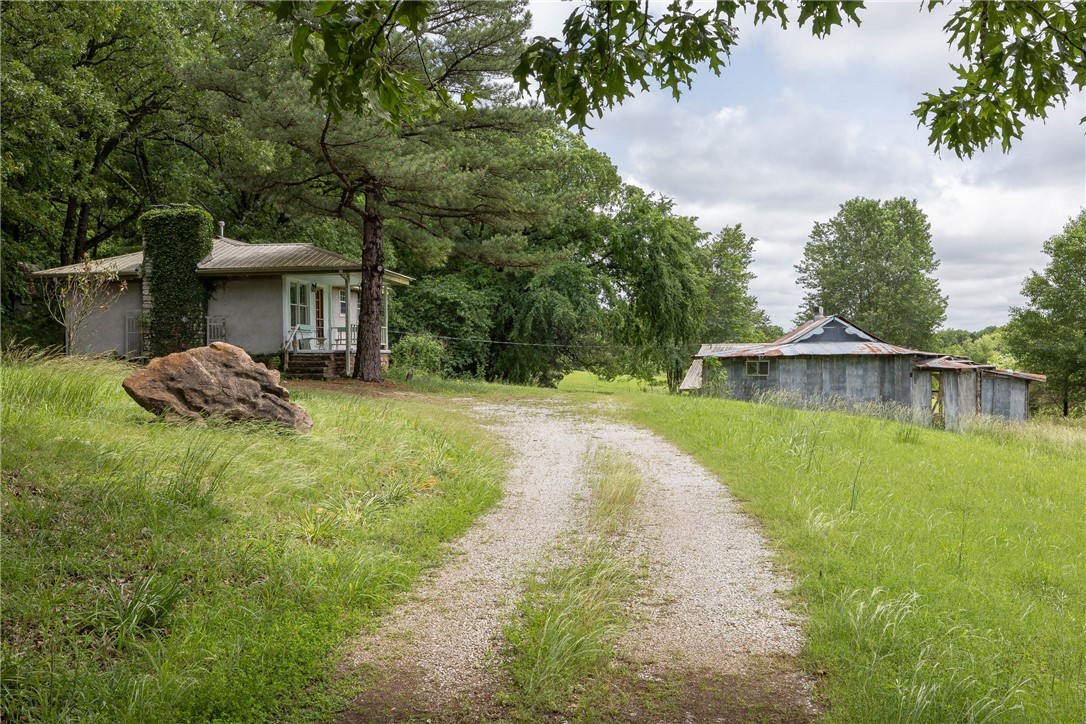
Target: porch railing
[{"x": 216, "y": 329}]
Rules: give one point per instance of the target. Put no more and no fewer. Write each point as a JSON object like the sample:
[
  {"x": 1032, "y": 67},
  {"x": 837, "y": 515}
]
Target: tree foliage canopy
[
  {"x": 1048, "y": 334},
  {"x": 519, "y": 234},
  {"x": 732, "y": 313},
  {"x": 874, "y": 263},
  {"x": 1018, "y": 59}
]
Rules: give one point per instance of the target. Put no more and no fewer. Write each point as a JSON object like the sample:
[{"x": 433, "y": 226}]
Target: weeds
[
  {"x": 199, "y": 474},
  {"x": 616, "y": 490},
  {"x": 903, "y": 414},
  {"x": 127, "y": 612},
  {"x": 855, "y": 485},
  {"x": 567, "y": 624}
]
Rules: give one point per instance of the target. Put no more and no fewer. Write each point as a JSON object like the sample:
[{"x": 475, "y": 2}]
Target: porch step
[{"x": 318, "y": 366}]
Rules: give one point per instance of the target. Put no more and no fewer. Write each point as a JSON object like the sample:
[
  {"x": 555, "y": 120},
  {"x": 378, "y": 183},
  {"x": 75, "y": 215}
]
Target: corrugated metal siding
[
  {"x": 1004, "y": 397},
  {"x": 921, "y": 394},
  {"x": 855, "y": 378},
  {"x": 959, "y": 397}
]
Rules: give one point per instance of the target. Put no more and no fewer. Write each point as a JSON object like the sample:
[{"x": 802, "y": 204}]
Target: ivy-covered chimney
[{"x": 175, "y": 239}]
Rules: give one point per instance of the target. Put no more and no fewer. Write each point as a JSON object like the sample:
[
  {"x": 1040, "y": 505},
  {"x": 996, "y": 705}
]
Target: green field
[{"x": 155, "y": 571}]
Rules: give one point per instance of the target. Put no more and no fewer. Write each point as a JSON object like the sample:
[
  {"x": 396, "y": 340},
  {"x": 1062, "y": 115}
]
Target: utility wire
[{"x": 402, "y": 332}]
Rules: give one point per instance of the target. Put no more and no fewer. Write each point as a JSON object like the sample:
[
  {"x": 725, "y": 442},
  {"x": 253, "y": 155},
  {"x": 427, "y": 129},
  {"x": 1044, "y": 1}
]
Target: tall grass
[
  {"x": 615, "y": 486},
  {"x": 944, "y": 573},
  {"x": 569, "y": 618},
  {"x": 156, "y": 571}
]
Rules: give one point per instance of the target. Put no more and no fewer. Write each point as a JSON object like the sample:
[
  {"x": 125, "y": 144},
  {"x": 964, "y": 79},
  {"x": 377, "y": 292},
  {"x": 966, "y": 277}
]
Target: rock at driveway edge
[{"x": 219, "y": 379}]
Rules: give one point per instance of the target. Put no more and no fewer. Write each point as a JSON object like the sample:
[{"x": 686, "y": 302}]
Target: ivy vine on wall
[{"x": 175, "y": 239}]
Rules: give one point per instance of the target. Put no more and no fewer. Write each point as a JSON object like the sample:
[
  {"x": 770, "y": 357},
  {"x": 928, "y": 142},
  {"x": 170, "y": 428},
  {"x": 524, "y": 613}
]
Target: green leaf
[{"x": 300, "y": 43}]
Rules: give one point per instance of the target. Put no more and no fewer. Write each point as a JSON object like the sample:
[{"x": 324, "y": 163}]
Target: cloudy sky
[{"x": 796, "y": 126}]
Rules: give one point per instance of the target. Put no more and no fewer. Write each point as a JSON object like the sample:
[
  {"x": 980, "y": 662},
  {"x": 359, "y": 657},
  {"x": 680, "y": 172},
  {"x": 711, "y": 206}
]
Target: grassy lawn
[
  {"x": 155, "y": 571},
  {"x": 944, "y": 574}
]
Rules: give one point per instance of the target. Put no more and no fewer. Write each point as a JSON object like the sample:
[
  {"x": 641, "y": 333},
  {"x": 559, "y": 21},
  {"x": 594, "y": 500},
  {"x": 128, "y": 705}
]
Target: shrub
[{"x": 416, "y": 352}]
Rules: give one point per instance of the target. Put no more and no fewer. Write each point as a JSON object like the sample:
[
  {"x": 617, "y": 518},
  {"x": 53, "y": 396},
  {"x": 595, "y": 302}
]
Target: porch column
[
  {"x": 347, "y": 321},
  {"x": 384, "y": 318}
]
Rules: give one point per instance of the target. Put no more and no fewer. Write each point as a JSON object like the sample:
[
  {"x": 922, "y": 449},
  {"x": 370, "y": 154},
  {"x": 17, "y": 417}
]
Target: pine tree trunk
[
  {"x": 367, "y": 361},
  {"x": 1066, "y": 401},
  {"x": 81, "y": 231},
  {"x": 67, "y": 236}
]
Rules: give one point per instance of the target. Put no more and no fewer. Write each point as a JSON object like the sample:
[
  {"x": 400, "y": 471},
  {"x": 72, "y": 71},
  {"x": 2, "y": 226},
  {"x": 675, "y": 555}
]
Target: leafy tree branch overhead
[{"x": 1019, "y": 59}]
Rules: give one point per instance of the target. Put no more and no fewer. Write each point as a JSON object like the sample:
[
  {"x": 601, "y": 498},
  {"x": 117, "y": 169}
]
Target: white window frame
[{"x": 295, "y": 304}]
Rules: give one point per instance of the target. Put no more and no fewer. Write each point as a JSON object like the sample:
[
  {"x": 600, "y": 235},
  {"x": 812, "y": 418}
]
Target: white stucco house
[{"x": 265, "y": 298}]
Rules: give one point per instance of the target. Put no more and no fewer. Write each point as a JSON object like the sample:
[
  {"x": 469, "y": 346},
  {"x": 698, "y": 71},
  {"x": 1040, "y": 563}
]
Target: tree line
[
  {"x": 517, "y": 230},
  {"x": 403, "y": 137}
]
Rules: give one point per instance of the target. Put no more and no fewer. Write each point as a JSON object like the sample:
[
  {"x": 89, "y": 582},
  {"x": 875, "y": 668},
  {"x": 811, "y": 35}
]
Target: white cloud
[
  {"x": 796, "y": 126},
  {"x": 900, "y": 37}
]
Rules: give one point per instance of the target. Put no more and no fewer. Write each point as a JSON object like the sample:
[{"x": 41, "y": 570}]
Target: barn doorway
[{"x": 938, "y": 409}]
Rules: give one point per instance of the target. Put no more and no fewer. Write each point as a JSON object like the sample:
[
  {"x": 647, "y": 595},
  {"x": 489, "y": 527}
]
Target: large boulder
[{"x": 220, "y": 380}]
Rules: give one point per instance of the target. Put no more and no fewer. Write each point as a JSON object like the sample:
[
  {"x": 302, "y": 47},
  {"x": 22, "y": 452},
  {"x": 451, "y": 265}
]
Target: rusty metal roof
[
  {"x": 710, "y": 350},
  {"x": 821, "y": 337},
  {"x": 229, "y": 256},
  {"x": 947, "y": 363},
  {"x": 692, "y": 380},
  {"x": 1015, "y": 373},
  {"x": 950, "y": 362}
]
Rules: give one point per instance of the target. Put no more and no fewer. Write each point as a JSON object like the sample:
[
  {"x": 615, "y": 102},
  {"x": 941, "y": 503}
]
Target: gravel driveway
[{"x": 712, "y": 605}]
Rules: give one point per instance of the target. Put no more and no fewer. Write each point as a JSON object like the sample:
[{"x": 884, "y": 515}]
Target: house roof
[
  {"x": 820, "y": 337},
  {"x": 232, "y": 257}
]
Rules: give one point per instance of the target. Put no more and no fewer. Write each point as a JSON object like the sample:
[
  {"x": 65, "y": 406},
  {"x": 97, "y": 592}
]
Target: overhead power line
[{"x": 483, "y": 340}]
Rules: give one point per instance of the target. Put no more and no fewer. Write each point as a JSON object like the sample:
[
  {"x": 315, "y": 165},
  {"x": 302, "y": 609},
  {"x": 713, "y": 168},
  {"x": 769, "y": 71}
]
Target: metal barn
[
  {"x": 830, "y": 357},
  {"x": 963, "y": 388}
]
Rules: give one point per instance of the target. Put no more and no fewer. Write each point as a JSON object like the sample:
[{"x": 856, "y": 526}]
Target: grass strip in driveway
[{"x": 570, "y": 617}]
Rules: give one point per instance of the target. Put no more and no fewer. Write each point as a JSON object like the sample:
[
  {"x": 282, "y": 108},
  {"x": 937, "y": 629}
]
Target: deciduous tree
[
  {"x": 732, "y": 312},
  {"x": 1019, "y": 59},
  {"x": 874, "y": 264},
  {"x": 91, "y": 91},
  {"x": 656, "y": 291},
  {"x": 1048, "y": 334},
  {"x": 73, "y": 299}
]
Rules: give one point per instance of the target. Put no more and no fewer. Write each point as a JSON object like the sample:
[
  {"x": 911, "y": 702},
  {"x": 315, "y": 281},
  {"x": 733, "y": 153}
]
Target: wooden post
[{"x": 347, "y": 321}]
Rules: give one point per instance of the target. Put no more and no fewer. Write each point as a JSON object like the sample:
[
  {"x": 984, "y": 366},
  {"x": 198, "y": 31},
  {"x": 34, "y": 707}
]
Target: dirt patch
[
  {"x": 765, "y": 691},
  {"x": 385, "y": 388}
]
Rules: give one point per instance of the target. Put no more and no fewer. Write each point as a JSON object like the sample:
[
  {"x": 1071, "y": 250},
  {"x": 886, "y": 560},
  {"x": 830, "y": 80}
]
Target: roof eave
[{"x": 391, "y": 276}]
